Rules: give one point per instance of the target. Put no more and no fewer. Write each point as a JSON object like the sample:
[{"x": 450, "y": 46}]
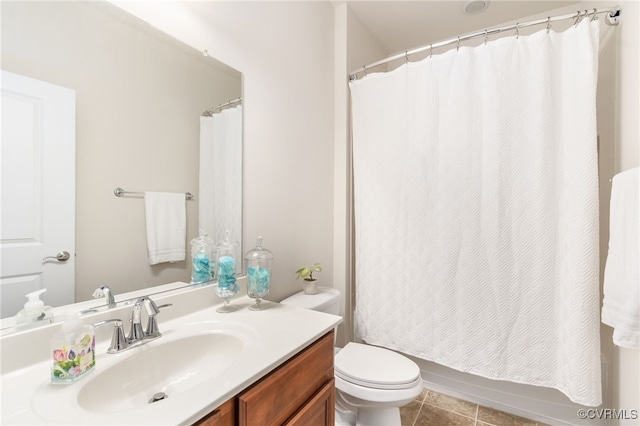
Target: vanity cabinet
[
  {"x": 319, "y": 410},
  {"x": 225, "y": 415},
  {"x": 300, "y": 392}
]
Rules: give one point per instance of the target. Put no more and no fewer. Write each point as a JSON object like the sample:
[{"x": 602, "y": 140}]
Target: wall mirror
[{"x": 139, "y": 98}]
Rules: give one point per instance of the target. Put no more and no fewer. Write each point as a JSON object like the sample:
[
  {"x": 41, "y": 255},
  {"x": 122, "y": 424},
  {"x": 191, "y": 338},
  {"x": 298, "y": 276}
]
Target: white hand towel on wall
[
  {"x": 621, "y": 305},
  {"x": 166, "y": 226}
]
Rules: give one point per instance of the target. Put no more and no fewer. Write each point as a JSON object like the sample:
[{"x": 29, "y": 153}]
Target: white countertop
[{"x": 271, "y": 337}]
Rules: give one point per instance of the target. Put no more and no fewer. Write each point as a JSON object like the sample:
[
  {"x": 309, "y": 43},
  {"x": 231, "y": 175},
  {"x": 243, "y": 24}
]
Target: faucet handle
[
  {"x": 136, "y": 333},
  {"x": 151, "y": 307},
  {"x": 152, "y": 324},
  {"x": 118, "y": 340}
]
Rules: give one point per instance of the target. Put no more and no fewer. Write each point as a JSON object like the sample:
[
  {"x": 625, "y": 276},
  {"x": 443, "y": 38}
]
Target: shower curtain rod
[
  {"x": 211, "y": 111},
  {"x": 612, "y": 19}
]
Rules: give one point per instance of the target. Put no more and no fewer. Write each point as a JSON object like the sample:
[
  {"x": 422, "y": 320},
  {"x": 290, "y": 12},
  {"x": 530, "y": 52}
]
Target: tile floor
[{"x": 435, "y": 409}]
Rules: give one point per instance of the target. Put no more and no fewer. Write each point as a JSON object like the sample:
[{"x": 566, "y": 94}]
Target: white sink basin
[
  {"x": 171, "y": 367},
  {"x": 178, "y": 364}
]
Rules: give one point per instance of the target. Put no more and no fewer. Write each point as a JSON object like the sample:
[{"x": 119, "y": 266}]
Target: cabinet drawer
[
  {"x": 279, "y": 395},
  {"x": 222, "y": 416},
  {"x": 319, "y": 411}
]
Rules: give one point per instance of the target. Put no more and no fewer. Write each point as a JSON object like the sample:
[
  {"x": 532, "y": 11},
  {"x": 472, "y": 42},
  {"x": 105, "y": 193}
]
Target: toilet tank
[{"x": 326, "y": 300}]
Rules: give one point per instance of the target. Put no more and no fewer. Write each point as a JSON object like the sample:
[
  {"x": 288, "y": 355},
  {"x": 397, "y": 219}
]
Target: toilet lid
[{"x": 375, "y": 367}]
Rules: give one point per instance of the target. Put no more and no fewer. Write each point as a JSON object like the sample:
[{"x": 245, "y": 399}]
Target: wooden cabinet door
[
  {"x": 280, "y": 395},
  {"x": 319, "y": 411},
  {"x": 301, "y": 392}
]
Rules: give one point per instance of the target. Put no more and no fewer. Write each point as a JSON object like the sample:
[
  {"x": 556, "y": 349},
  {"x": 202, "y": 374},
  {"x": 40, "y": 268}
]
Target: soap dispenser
[
  {"x": 34, "y": 310},
  {"x": 73, "y": 350}
]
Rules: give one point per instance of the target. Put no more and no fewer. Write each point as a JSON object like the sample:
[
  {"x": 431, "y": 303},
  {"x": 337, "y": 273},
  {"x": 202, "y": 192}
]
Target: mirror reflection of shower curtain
[{"x": 220, "y": 189}]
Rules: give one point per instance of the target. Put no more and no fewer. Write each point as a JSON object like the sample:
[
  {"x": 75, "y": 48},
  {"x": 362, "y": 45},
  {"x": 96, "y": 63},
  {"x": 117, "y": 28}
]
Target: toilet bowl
[{"x": 372, "y": 383}]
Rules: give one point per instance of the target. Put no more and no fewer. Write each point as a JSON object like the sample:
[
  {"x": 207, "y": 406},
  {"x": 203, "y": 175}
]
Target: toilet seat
[{"x": 375, "y": 367}]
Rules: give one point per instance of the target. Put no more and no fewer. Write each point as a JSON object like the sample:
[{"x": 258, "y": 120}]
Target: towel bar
[{"x": 119, "y": 192}]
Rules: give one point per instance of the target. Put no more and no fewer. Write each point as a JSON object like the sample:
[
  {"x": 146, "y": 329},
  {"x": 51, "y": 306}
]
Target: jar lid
[
  {"x": 226, "y": 243},
  {"x": 202, "y": 240},
  {"x": 259, "y": 252}
]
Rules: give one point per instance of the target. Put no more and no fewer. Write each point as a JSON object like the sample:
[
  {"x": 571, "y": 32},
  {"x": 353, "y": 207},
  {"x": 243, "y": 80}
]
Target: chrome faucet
[
  {"x": 137, "y": 335},
  {"x": 104, "y": 291}
]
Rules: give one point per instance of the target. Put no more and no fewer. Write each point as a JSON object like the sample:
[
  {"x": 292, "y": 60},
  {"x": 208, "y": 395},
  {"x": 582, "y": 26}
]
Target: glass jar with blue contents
[
  {"x": 227, "y": 254},
  {"x": 258, "y": 268},
  {"x": 202, "y": 259}
]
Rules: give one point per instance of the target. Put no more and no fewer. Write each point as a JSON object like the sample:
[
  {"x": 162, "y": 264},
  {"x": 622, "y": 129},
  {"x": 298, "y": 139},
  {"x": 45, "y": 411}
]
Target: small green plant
[{"x": 306, "y": 273}]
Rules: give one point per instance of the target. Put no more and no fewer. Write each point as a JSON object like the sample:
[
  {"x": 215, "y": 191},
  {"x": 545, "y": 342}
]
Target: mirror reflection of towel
[
  {"x": 621, "y": 304},
  {"x": 166, "y": 226}
]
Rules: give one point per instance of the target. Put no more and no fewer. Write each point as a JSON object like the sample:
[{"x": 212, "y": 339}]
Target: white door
[{"x": 37, "y": 214}]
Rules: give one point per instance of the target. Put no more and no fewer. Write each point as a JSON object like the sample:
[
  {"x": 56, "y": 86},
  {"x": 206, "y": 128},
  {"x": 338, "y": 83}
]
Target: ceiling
[{"x": 403, "y": 25}]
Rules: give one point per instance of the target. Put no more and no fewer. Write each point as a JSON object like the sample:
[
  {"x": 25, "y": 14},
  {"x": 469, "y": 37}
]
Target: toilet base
[
  {"x": 388, "y": 416},
  {"x": 360, "y": 413},
  {"x": 343, "y": 418},
  {"x": 378, "y": 416}
]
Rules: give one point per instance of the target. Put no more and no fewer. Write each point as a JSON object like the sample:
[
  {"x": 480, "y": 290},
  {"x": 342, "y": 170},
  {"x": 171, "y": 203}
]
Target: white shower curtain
[
  {"x": 476, "y": 210},
  {"x": 220, "y": 204}
]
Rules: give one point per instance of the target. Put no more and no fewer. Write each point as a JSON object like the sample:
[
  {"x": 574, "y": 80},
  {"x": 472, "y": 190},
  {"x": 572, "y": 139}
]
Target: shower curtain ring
[
  {"x": 406, "y": 56},
  {"x": 594, "y": 16},
  {"x": 486, "y": 37},
  {"x": 431, "y": 50},
  {"x": 364, "y": 69},
  {"x": 458, "y": 45},
  {"x": 548, "y": 24},
  {"x": 578, "y": 18},
  {"x": 518, "y": 30}
]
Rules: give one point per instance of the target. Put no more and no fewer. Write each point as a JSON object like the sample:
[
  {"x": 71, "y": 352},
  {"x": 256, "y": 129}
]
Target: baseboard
[{"x": 541, "y": 404}]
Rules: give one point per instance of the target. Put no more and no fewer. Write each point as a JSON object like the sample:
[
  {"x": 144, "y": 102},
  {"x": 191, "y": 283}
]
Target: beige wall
[
  {"x": 147, "y": 142},
  {"x": 285, "y": 51}
]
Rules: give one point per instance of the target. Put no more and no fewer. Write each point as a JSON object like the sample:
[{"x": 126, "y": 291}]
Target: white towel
[
  {"x": 166, "y": 226},
  {"x": 621, "y": 305}
]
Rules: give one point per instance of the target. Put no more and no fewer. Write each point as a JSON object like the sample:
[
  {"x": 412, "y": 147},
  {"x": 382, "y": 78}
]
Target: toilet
[{"x": 372, "y": 383}]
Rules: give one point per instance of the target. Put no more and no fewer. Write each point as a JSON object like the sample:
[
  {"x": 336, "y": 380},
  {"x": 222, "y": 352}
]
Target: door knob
[{"x": 63, "y": 256}]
